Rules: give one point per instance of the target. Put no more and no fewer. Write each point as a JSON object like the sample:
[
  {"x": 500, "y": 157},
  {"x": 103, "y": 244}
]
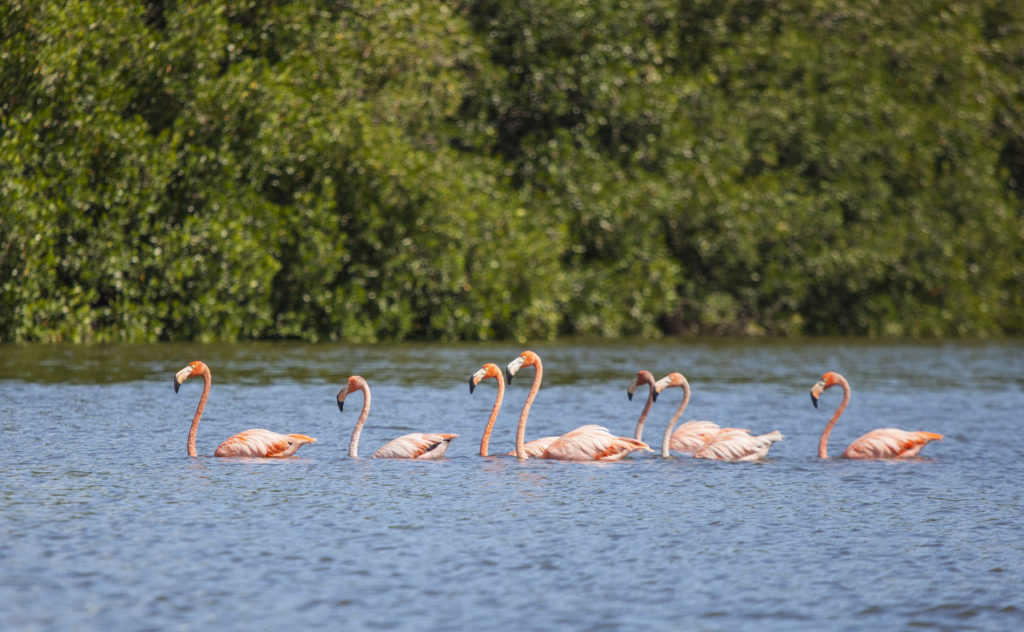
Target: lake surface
[{"x": 106, "y": 524}]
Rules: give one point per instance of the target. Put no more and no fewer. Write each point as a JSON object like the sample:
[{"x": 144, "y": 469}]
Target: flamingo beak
[
  {"x": 181, "y": 376},
  {"x": 512, "y": 368},
  {"x": 816, "y": 392},
  {"x": 632, "y": 387},
  {"x": 341, "y": 398},
  {"x": 476, "y": 378}
]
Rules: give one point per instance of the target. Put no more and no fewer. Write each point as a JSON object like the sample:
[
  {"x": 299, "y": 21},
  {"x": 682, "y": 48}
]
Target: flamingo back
[
  {"x": 887, "y": 443},
  {"x": 690, "y": 436},
  {"x": 738, "y": 445},
  {"x": 592, "y": 443},
  {"x": 416, "y": 445},
  {"x": 257, "y": 442}
]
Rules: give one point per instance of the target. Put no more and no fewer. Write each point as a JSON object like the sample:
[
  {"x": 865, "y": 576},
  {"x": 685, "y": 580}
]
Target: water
[{"x": 105, "y": 524}]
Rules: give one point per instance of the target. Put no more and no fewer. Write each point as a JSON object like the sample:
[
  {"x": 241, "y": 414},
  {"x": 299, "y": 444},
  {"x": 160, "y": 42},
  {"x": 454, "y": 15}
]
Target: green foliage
[{"x": 498, "y": 170}]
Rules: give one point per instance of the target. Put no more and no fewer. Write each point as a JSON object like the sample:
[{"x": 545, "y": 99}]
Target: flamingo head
[
  {"x": 354, "y": 383},
  {"x": 488, "y": 370},
  {"x": 642, "y": 377},
  {"x": 828, "y": 380},
  {"x": 525, "y": 359},
  {"x": 193, "y": 368},
  {"x": 672, "y": 379}
]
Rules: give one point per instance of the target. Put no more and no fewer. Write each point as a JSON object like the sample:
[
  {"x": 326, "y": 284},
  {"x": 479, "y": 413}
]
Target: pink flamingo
[
  {"x": 255, "y": 442},
  {"x": 692, "y": 434},
  {"x": 489, "y": 370},
  {"x": 416, "y": 445},
  {"x": 586, "y": 443},
  {"x": 883, "y": 443}
]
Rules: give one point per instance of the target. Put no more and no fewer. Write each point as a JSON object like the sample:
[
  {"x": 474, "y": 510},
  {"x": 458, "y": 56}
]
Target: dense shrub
[{"x": 493, "y": 169}]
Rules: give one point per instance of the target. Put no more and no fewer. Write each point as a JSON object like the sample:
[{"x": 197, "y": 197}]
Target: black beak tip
[
  {"x": 654, "y": 397},
  {"x": 176, "y": 385},
  {"x": 341, "y": 405},
  {"x": 508, "y": 377},
  {"x": 472, "y": 386},
  {"x": 814, "y": 400},
  {"x": 629, "y": 395}
]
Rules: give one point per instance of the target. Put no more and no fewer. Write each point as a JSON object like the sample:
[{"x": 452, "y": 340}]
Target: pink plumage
[
  {"x": 705, "y": 439},
  {"x": 692, "y": 435},
  {"x": 738, "y": 445},
  {"x": 415, "y": 445},
  {"x": 884, "y": 443},
  {"x": 591, "y": 443},
  {"x": 262, "y": 443},
  {"x": 250, "y": 443},
  {"x": 586, "y": 443}
]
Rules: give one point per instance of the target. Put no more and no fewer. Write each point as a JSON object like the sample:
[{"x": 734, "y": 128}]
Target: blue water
[{"x": 106, "y": 524}]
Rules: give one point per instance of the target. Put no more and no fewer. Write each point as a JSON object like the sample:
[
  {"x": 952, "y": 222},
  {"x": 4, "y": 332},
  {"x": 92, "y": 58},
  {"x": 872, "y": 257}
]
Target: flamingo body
[
  {"x": 883, "y": 443},
  {"x": 262, "y": 443},
  {"x": 591, "y": 443},
  {"x": 887, "y": 443},
  {"x": 738, "y": 445},
  {"x": 414, "y": 445},
  {"x": 255, "y": 442},
  {"x": 692, "y": 435}
]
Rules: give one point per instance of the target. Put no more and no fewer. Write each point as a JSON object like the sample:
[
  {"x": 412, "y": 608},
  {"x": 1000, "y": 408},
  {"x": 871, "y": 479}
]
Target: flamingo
[
  {"x": 493, "y": 371},
  {"x": 255, "y": 442},
  {"x": 586, "y": 443},
  {"x": 883, "y": 443},
  {"x": 415, "y": 445},
  {"x": 692, "y": 435}
]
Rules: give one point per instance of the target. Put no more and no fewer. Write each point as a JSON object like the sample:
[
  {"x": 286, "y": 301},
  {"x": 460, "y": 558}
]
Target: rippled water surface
[{"x": 105, "y": 523}]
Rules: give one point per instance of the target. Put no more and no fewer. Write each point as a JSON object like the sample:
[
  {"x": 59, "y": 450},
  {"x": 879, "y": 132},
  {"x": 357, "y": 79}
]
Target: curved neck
[
  {"x": 638, "y": 435},
  {"x": 191, "y": 446},
  {"x": 353, "y": 442},
  {"x": 667, "y": 437},
  {"x": 486, "y": 439},
  {"x": 823, "y": 442},
  {"x": 521, "y": 430}
]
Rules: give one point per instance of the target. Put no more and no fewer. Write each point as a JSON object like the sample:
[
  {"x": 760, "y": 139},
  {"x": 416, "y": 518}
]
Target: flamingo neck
[
  {"x": 191, "y": 446},
  {"x": 823, "y": 442},
  {"x": 666, "y": 439},
  {"x": 643, "y": 415},
  {"x": 353, "y": 442},
  {"x": 521, "y": 430},
  {"x": 486, "y": 439}
]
